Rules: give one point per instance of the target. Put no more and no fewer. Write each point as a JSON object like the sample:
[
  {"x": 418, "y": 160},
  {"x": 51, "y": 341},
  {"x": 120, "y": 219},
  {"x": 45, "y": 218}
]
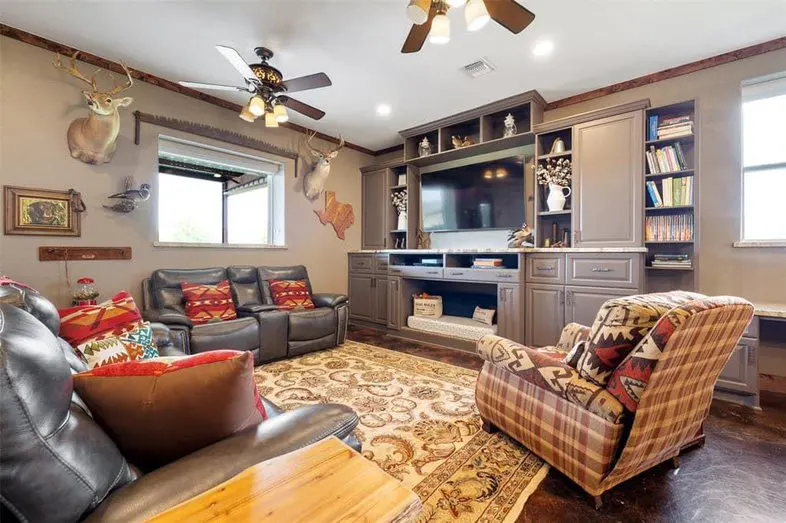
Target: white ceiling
[{"x": 357, "y": 43}]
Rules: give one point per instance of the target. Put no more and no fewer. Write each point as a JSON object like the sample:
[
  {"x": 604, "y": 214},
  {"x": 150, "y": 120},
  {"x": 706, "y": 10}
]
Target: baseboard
[
  {"x": 772, "y": 383},
  {"x": 405, "y": 333}
]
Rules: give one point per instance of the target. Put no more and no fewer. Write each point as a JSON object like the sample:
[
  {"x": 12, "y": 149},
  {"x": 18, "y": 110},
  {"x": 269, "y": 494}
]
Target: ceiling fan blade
[
  {"x": 302, "y": 108},
  {"x": 509, "y": 14},
  {"x": 304, "y": 83},
  {"x": 418, "y": 34},
  {"x": 198, "y": 85},
  {"x": 237, "y": 61}
]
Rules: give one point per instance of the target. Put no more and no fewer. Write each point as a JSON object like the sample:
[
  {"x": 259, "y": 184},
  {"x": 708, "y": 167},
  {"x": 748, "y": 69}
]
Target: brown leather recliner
[
  {"x": 58, "y": 465},
  {"x": 260, "y": 327}
]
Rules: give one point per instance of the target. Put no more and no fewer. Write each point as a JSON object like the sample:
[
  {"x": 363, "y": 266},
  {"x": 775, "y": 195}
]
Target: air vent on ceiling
[{"x": 479, "y": 68}]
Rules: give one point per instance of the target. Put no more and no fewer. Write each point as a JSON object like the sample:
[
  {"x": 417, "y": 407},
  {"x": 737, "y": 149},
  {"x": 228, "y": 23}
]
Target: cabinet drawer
[
  {"x": 610, "y": 270},
  {"x": 407, "y": 271},
  {"x": 491, "y": 275},
  {"x": 545, "y": 268},
  {"x": 361, "y": 262},
  {"x": 381, "y": 263}
]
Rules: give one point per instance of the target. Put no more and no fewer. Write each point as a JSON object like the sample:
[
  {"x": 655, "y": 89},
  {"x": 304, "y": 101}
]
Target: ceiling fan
[
  {"x": 430, "y": 19},
  {"x": 267, "y": 85}
]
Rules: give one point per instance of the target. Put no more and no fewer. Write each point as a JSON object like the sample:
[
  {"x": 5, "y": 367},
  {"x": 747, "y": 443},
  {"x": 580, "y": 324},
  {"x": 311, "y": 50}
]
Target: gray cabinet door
[
  {"x": 582, "y": 303},
  {"x": 608, "y": 179},
  {"x": 394, "y": 303},
  {"x": 380, "y": 287},
  {"x": 361, "y": 297},
  {"x": 510, "y": 317},
  {"x": 373, "y": 209},
  {"x": 545, "y": 314},
  {"x": 741, "y": 373}
]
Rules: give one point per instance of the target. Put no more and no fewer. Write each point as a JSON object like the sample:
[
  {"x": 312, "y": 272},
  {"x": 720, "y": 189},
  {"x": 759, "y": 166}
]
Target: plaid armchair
[{"x": 610, "y": 402}]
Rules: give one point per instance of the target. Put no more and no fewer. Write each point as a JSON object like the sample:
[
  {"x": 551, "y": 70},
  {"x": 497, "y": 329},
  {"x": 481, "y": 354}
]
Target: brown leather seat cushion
[{"x": 312, "y": 324}]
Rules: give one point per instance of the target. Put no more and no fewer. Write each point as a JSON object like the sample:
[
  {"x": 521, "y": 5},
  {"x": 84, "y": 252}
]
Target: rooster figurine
[
  {"x": 127, "y": 200},
  {"x": 521, "y": 237}
]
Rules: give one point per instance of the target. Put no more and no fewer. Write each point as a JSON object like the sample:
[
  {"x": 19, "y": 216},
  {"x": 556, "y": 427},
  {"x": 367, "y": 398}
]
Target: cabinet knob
[
  {"x": 544, "y": 268},
  {"x": 561, "y": 297},
  {"x": 457, "y": 274},
  {"x": 601, "y": 269}
]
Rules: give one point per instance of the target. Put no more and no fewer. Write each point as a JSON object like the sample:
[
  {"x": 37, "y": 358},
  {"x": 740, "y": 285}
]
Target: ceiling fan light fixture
[
  {"x": 456, "y": 3},
  {"x": 476, "y": 15},
  {"x": 417, "y": 11},
  {"x": 270, "y": 120},
  {"x": 280, "y": 113},
  {"x": 256, "y": 105},
  {"x": 247, "y": 115},
  {"x": 440, "y": 30}
]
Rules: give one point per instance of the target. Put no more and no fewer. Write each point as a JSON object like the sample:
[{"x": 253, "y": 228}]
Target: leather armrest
[
  {"x": 259, "y": 307},
  {"x": 204, "y": 469},
  {"x": 328, "y": 299},
  {"x": 162, "y": 337},
  {"x": 167, "y": 316}
]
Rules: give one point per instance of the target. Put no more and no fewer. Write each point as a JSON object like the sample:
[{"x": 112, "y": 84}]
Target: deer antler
[
  {"x": 340, "y": 145},
  {"x": 116, "y": 89},
  {"x": 74, "y": 71},
  {"x": 307, "y": 142}
]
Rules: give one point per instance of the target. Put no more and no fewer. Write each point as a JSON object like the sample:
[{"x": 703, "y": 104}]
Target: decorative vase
[
  {"x": 557, "y": 197},
  {"x": 402, "y": 221}
]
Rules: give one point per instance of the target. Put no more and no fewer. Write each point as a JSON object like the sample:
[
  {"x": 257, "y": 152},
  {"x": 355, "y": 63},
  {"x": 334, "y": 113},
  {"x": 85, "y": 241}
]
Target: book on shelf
[
  {"x": 672, "y": 127},
  {"x": 666, "y": 159},
  {"x": 487, "y": 263},
  {"x": 677, "y": 227},
  {"x": 674, "y": 191},
  {"x": 671, "y": 260}
]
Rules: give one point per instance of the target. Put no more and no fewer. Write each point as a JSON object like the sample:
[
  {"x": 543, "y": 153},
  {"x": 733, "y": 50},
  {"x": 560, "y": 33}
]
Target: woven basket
[{"x": 430, "y": 307}]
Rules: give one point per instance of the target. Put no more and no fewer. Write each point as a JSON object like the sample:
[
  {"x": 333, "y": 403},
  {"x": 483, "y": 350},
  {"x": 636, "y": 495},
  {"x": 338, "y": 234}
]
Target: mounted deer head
[
  {"x": 315, "y": 179},
  {"x": 93, "y": 139}
]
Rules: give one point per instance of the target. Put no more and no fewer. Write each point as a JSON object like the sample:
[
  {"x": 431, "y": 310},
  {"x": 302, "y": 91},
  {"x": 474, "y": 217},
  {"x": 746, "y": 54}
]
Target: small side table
[{"x": 324, "y": 482}]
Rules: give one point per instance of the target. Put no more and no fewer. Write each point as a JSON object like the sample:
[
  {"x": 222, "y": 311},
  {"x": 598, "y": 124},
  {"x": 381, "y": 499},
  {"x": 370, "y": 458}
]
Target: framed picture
[{"x": 41, "y": 212}]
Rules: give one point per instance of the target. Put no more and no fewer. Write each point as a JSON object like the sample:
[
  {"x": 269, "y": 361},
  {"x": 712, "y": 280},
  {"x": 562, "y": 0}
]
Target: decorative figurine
[
  {"x": 128, "y": 199},
  {"x": 84, "y": 293},
  {"x": 459, "y": 142},
  {"x": 558, "y": 146},
  {"x": 424, "y": 148},
  {"x": 424, "y": 239},
  {"x": 510, "y": 126},
  {"x": 521, "y": 237}
]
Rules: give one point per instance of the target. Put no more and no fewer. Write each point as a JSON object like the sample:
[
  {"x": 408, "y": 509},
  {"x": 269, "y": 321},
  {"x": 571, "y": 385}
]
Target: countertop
[
  {"x": 770, "y": 310},
  {"x": 501, "y": 251}
]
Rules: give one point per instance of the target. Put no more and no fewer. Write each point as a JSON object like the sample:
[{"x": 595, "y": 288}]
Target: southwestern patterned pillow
[
  {"x": 161, "y": 409},
  {"x": 208, "y": 303},
  {"x": 290, "y": 294},
  {"x": 129, "y": 343},
  {"x": 619, "y": 327},
  {"x": 79, "y": 324}
]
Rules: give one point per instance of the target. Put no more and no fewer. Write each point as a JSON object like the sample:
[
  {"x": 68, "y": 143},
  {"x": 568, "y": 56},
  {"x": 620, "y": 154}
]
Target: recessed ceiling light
[
  {"x": 543, "y": 48},
  {"x": 383, "y": 110}
]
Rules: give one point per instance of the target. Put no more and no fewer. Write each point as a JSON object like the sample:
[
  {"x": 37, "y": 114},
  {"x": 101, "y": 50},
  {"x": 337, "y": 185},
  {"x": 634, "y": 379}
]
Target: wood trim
[
  {"x": 667, "y": 74},
  {"x": 390, "y": 164},
  {"x": 83, "y": 253},
  {"x": 391, "y": 149},
  {"x": 606, "y": 112},
  {"x": 103, "y": 63}
]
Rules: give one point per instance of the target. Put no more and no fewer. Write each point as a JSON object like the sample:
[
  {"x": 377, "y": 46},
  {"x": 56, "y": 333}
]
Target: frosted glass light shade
[
  {"x": 417, "y": 11},
  {"x": 257, "y": 106},
  {"x": 270, "y": 120},
  {"x": 476, "y": 15},
  {"x": 456, "y": 3},
  {"x": 440, "y": 30},
  {"x": 280, "y": 112},
  {"x": 246, "y": 115}
]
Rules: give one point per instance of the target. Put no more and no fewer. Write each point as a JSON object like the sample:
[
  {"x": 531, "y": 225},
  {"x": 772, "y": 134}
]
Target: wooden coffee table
[{"x": 324, "y": 482}]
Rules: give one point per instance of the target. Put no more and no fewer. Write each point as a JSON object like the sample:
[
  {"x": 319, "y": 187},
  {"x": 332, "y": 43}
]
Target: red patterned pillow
[
  {"x": 161, "y": 409},
  {"x": 79, "y": 324},
  {"x": 290, "y": 294},
  {"x": 208, "y": 303}
]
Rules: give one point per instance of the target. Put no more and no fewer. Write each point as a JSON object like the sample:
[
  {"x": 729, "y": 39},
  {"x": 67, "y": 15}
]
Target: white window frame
[{"x": 757, "y": 89}]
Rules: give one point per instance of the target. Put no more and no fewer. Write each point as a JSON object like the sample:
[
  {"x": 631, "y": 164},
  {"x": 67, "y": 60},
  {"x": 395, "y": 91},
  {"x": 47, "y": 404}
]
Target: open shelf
[
  {"x": 651, "y": 268},
  {"x": 664, "y": 242},
  {"x": 674, "y": 174},
  {"x": 555, "y": 155},
  {"x": 398, "y": 187},
  {"x": 491, "y": 146},
  {"x": 670, "y": 208},
  {"x": 555, "y": 213}
]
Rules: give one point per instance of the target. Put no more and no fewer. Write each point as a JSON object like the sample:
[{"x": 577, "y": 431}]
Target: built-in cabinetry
[
  {"x": 604, "y": 205},
  {"x": 739, "y": 380},
  {"x": 563, "y": 288},
  {"x": 373, "y": 295}
]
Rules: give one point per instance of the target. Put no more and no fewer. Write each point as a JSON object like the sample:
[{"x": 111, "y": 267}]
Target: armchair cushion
[
  {"x": 129, "y": 343},
  {"x": 291, "y": 294},
  {"x": 325, "y": 299},
  {"x": 78, "y": 324},
  {"x": 208, "y": 303},
  {"x": 162, "y": 409},
  {"x": 620, "y": 325}
]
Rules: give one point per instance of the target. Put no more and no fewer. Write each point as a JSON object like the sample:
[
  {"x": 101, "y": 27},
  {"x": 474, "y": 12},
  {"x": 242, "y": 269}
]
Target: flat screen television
[{"x": 487, "y": 195}]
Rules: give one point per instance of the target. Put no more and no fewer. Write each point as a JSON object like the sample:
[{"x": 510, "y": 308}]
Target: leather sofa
[
  {"x": 260, "y": 327},
  {"x": 58, "y": 465}
]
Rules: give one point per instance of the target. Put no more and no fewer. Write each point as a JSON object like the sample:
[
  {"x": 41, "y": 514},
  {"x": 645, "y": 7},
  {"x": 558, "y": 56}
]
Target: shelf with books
[
  {"x": 683, "y": 138},
  {"x": 651, "y": 268},
  {"x": 672, "y": 242},
  {"x": 675, "y": 174},
  {"x": 670, "y": 208}
]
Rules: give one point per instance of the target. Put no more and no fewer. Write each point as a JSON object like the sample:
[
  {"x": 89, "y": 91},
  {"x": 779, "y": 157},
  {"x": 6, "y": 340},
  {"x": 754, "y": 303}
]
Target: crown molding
[{"x": 109, "y": 65}]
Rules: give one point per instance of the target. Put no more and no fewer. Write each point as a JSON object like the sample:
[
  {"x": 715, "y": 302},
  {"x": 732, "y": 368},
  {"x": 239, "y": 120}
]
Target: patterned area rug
[{"x": 418, "y": 422}]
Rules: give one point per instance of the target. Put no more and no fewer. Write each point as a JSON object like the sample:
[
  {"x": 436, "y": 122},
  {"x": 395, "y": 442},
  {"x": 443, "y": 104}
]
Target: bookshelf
[
  {"x": 398, "y": 237},
  {"x": 552, "y": 226},
  {"x": 670, "y": 212}
]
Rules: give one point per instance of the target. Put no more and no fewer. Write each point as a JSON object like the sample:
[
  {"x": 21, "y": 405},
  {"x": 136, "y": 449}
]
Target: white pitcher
[{"x": 557, "y": 197}]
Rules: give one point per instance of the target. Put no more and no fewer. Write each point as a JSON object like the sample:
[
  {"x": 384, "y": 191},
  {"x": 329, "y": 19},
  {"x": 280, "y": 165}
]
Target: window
[
  {"x": 216, "y": 197},
  {"x": 764, "y": 160}
]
